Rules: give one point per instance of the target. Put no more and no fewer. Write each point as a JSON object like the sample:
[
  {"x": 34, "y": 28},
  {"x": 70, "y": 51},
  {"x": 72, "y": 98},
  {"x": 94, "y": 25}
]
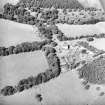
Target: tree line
[
  {"x": 18, "y": 13},
  {"x": 51, "y": 3},
  {"x": 23, "y": 47},
  {"x": 62, "y": 37}
]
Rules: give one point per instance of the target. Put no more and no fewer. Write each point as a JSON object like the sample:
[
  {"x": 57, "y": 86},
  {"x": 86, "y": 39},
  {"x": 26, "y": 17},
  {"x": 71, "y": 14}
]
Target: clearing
[{"x": 12, "y": 33}]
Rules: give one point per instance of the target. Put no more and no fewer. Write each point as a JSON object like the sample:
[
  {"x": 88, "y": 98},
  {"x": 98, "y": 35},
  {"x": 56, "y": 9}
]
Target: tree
[
  {"x": 84, "y": 51},
  {"x": 39, "y": 79},
  {"x": 90, "y": 39},
  {"x": 49, "y": 74},
  {"x": 39, "y": 97},
  {"x": 54, "y": 44},
  {"x": 6, "y": 52},
  {"x": 87, "y": 87},
  {"x": 11, "y": 48},
  {"x": 2, "y": 51},
  {"x": 22, "y": 85},
  {"x": 1, "y": 16},
  {"x": 8, "y": 90}
]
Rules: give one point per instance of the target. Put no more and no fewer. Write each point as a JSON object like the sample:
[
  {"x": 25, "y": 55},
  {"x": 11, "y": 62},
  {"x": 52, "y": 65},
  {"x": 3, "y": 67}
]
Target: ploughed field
[
  {"x": 16, "y": 67},
  {"x": 94, "y": 72},
  {"x": 12, "y": 33}
]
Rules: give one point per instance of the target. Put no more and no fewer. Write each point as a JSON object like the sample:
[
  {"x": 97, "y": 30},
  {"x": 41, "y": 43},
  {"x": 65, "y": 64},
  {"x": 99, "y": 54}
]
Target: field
[
  {"x": 12, "y": 33},
  {"x": 98, "y": 43},
  {"x": 91, "y": 3},
  {"x": 60, "y": 91},
  {"x": 78, "y": 30},
  {"x": 16, "y": 67}
]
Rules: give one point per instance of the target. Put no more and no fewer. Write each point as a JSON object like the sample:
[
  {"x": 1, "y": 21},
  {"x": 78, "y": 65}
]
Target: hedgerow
[
  {"x": 23, "y": 47},
  {"x": 91, "y": 48},
  {"x": 53, "y": 71},
  {"x": 61, "y": 36}
]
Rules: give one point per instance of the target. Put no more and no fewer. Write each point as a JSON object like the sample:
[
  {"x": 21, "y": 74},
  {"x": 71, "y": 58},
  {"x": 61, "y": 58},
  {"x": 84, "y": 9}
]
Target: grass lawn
[
  {"x": 98, "y": 43},
  {"x": 78, "y": 30},
  {"x": 16, "y": 67},
  {"x": 64, "y": 90},
  {"x": 12, "y": 33}
]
